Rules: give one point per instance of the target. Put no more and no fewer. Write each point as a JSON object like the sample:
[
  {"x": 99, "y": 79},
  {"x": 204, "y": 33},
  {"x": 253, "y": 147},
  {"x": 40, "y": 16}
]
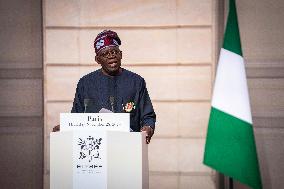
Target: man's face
[{"x": 110, "y": 60}]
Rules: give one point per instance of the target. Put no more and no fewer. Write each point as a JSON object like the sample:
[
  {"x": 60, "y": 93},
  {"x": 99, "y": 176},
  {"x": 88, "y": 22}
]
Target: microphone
[
  {"x": 86, "y": 103},
  {"x": 111, "y": 99}
]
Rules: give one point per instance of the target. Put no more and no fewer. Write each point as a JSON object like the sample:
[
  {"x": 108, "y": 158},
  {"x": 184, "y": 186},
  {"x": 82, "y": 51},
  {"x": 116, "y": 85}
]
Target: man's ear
[{"x": 97, "y": 59}]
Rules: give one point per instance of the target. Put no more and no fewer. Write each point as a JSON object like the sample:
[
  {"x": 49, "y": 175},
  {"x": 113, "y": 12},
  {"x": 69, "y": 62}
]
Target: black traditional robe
[{"x": 96, "y": 91}]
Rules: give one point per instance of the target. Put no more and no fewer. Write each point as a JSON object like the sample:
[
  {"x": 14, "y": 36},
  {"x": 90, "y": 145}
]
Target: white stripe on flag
[{"x": 230, "y": 91}]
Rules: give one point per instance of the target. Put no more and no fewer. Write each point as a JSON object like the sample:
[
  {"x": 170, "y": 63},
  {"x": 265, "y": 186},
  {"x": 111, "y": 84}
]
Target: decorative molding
[
  {"x": 265, "y": 68},
  {"x": 125, "y": 27},
  {"x": 21, "y": 65},
  {"x": 19, "y": 73},
  {"x": 94, "y": 64},
  {"x": 166, "y": 101},
  {"x": 162, "y": 173},
  {"x": 12, "y": 123},
  {"x": 264, "y": 63},
  {"x": 172, "y": 173},
  {"x": 268, "y": 122}
]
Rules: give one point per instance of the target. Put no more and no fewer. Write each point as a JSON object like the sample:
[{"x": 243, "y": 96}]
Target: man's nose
[{"x": 111, "y": 55}]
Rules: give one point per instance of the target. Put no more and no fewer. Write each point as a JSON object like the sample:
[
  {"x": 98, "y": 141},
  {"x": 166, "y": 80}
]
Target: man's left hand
[{"x": 149, "y": 132}]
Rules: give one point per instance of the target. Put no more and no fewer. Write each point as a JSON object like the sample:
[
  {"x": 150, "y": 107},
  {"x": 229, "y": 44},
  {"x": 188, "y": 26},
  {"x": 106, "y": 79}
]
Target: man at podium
[{"x": 113, "y": 88}]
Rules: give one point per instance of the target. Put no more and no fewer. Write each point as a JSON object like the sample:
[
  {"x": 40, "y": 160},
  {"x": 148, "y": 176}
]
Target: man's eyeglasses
[{"x": 110, "y": 53}]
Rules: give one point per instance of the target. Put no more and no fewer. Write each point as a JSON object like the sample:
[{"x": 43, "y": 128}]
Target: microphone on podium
[
  {"x": 86, "y": 104},
  {"x": 111, "y": 99}
]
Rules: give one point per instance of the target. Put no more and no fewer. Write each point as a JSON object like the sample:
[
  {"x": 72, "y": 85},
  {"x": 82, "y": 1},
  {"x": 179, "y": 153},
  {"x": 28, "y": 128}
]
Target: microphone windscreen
[{"x": 111, "y": 99}]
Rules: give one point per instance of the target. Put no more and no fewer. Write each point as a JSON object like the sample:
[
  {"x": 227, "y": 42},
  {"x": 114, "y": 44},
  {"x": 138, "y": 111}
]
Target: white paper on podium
[
  {"x": 95, "y": 121},
  {"x": 90, "y": 160}
]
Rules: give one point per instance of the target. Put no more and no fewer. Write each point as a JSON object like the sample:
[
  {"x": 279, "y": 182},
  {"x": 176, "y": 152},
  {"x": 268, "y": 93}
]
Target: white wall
[{"x": 171, "y": 43}]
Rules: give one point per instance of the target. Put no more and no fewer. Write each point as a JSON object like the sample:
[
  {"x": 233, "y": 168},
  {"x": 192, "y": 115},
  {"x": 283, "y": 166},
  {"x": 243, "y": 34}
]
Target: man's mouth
[{"x": 112, "y": 63}]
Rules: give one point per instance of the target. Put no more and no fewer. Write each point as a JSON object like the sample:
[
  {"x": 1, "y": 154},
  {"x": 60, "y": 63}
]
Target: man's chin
[{"x": 112, "y": 71}]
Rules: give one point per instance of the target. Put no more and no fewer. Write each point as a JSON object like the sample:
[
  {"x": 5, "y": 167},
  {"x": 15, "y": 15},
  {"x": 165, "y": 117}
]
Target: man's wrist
[{"x": 152, "y": 127}]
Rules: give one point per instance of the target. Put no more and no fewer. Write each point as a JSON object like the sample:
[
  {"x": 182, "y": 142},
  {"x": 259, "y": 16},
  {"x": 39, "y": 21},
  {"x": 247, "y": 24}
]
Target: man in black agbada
[{"x": 114, "y": 88}]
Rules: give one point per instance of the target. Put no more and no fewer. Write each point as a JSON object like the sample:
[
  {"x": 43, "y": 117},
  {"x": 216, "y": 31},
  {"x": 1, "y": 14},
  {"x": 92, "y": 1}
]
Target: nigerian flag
[{"x": 230, "y": 146}]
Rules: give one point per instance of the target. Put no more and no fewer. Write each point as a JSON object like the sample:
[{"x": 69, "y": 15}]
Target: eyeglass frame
[{"x": 109, "y": 53}]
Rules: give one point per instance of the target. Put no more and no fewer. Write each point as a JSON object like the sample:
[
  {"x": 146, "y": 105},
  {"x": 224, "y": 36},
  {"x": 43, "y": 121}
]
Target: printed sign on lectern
[{"x": 95, "y": 121}]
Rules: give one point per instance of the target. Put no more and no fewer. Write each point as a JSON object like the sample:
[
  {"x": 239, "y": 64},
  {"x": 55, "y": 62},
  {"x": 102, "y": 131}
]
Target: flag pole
[{"x": 231, "y": 184}]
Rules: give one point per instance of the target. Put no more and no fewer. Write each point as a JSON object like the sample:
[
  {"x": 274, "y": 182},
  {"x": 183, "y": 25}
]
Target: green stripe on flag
[
  {"x": 232, "y": 40},
  {"x": 230, "y": 148}
]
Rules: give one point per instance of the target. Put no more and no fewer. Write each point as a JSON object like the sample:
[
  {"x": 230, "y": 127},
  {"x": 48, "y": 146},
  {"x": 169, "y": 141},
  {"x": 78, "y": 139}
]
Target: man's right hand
[{"x": 56, "y": 128}]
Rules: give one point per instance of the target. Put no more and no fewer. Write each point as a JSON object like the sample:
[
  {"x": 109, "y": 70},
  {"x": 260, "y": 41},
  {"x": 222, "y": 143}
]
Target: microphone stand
[{"x": 111, "y": 99}]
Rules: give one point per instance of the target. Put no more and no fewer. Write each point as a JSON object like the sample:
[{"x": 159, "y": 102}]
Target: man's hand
[
  {"x": 56, "y": 128},
  {"x": 149, "y": 133}
]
